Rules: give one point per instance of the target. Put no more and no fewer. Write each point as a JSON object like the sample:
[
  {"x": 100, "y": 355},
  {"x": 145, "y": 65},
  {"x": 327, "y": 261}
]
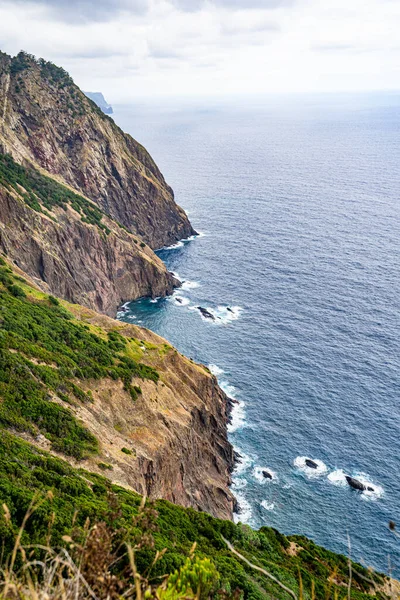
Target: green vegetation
[
  {"x": 42, "y": 193},
  {"x": 105, "y": 466},
  {"x": 46, "y": 354},
  {"x": 126, "y": 451},
  {"x": 77, "y": 497}
]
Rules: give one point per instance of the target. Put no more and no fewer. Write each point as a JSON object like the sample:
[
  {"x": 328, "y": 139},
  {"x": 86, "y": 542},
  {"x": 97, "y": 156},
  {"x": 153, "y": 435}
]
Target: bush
[
  {"x": 16, "y": 291},
  {"x": 126, "y": 451}
]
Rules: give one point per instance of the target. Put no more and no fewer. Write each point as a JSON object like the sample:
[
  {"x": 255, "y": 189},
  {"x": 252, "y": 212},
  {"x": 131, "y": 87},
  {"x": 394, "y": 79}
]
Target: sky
[{"x": 155, "y": 48}]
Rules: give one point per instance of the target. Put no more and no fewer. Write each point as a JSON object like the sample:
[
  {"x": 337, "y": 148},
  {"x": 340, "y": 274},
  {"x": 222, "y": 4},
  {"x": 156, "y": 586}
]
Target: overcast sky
[{"x": 139, "y": 48}]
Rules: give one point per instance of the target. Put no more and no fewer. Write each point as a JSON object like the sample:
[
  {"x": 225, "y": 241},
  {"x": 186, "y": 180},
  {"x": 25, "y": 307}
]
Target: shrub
[
  {"x": 16, "y": 291},
  {"x": 105, "y": 466}
]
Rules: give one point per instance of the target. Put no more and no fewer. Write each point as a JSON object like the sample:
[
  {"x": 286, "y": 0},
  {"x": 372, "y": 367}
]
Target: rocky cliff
[
  {"x": 101, "y": 102},
  {"x": 46, "y": 120},
  {"x": 113, "y": 398},
  {"x": 70, "y": 247}
]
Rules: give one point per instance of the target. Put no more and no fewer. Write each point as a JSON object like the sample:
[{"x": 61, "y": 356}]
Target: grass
[
  {"x": 72, "y": 502},
  {"x": 45, "y": 356}
]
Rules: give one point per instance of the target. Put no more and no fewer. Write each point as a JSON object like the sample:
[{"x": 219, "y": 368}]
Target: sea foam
[
  {"x": 245, "y": 511},
  {"x": 258, "y": 474},
  {"x": 189, "y": 285},
  {"x": 215, "y": 370},
  {"x": 267, "y": 505},
  {"x": 300, "y": 463}
]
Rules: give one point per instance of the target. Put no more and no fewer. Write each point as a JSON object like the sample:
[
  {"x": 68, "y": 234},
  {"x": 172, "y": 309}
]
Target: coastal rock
[
  {"x": 358, "y": 485},
  {"x": 177, "y": 428},
  {"x": 311, "y": 463},
  {"x": 266, "y": 474},
  {"x": 206, "y": 313},
  {"x": 46, "y": 120}
]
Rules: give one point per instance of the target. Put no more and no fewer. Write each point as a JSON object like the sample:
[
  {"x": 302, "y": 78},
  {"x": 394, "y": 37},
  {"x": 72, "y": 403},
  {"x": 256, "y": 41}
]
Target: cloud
[
  {"x": 333, "y": 47},
  {"x": 195, "y": 5},
  {"x": 148, "y": 48},
  {"x": 76, "y": 11}
]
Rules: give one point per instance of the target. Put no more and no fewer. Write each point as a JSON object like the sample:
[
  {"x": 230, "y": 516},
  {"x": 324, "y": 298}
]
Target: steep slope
[
  {"x": 77, "y": 496},
  {"x": 46, "y": 120},
  {"x": 70, "y": 247},
  {"x": 114, "y": 397}
]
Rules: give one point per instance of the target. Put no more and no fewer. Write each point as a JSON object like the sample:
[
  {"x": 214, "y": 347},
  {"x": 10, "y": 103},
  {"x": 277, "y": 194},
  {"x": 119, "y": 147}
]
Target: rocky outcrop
[
  {"x": 76, "y": 260},
  {"x": 171, "y": 441},
  {"x": 46, "y": 120},
  {"x": 176, "y": 429}
]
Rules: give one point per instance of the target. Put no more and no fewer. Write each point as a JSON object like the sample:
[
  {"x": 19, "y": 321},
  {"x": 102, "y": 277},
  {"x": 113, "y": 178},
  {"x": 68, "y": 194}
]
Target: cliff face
[
  {"x": 74, "y": 260},
  {"x": 46, "y": 120},
  {"x": 113, "y": 398},
  {"x": 176, "y": 428}
]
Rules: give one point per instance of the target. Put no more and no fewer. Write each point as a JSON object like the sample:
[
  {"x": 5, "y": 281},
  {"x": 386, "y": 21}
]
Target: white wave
[
  {"x": 154, "y": 300},
  {"x": 244, "y": 463},
  {"x": 216, "y": 370},
  {"x": 258, "y": 474},
  {"x": 245, "y": 511},
  {"x": 176, "y": 275},
  {"x": 179, "y": 244},
  {"x": 229, "y": 389},
  {"x": 181, "y": 301},
  {"x": 300, "y": 463},
  {"x": 238, "y": 417},
  {"x": 194, "y": 237},
  {"x": 189, "y": 285},
  {"x": 338, "y": 478},
  {"x": 267, "y": 505},
  {"x": 126, "y": 305},
  {"x": 238, "y": 484},
  {"x": 225, "y": 314},
  {"x": 375, "y": 493}
]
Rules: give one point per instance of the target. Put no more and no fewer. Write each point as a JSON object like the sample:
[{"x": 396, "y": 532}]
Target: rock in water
[
  {"x": 206, "y": 313},
  {"x": 267, "y": 475},
  {"x": 357, "y": 485},
  {"x": 311, "y": 463}
]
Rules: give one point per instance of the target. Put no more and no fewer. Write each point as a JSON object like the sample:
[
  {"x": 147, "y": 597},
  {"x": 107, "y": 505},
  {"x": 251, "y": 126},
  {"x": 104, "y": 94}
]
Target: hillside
[
  {"x": 87, "y": 506},
  {"x": 70, "y": 246},
  {"x": 47, "y": 121},
  {"x": 113, "y": 397}
]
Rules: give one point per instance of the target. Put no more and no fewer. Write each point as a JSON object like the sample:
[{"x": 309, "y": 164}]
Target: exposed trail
[{"x": 7, "y": 87}]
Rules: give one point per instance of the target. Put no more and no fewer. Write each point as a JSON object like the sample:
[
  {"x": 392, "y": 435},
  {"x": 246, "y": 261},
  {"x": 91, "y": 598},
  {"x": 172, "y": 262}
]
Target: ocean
[{"x": 296, "y": 201}]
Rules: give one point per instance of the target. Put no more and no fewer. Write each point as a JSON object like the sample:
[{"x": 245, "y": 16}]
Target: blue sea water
[{"x": 298, "y": 203}]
